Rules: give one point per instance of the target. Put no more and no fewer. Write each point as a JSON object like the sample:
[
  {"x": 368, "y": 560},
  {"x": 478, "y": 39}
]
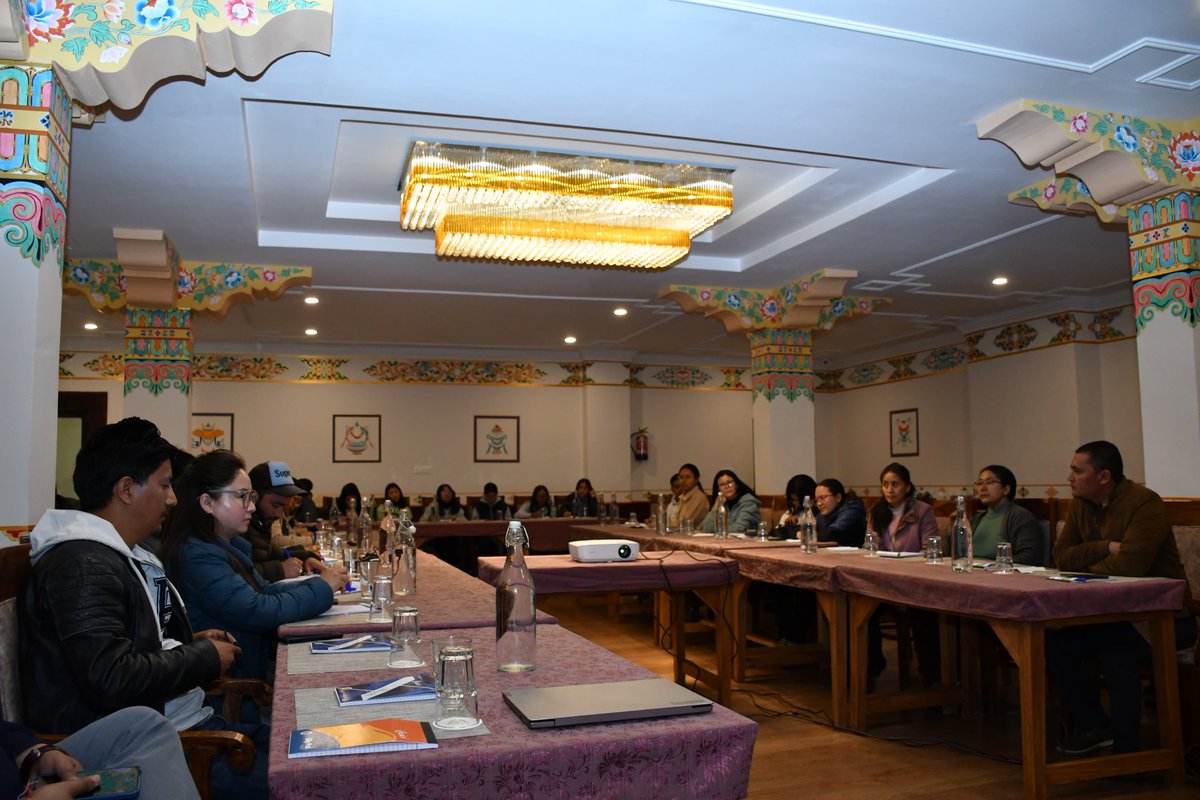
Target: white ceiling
[{"x": 852, "y": 137}]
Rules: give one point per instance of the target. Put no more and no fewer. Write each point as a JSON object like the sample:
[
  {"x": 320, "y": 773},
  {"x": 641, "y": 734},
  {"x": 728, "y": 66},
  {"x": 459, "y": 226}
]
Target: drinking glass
[
  {"x": 1004, "y": 562},
  {"x": 933, "y": 550},
  {"x": 763, "y": 530},
  {"x": 381, "y": 601},
  {"x": 406, "y": 633},
  {"x": 633, "y": 518},
  {"x": 370, "y": 571},
  {"x": 871, "y": 544},
  {"x": 685, "y": 527},
  {"x": 458, "y": 699}
]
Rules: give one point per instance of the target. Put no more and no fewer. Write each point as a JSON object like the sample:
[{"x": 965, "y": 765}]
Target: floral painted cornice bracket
[
  {"x": 1101, "y": 161},
  {"x": 116, "y": 51},
  {"x": 212, "y": 288},
  {"x": 813, "y": 302}
]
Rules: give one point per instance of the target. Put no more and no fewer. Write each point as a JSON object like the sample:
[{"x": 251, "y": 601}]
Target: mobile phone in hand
[{"x": 116, "y": 784}]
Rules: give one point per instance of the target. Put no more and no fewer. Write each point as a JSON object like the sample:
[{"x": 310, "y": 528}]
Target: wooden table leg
[
  {"x": 740, "y": 618},
  {"x": 676, "y": 602},
  {"x": 860, "y": 610},
  {"x": 1166, "y": 692},
  {"x": 833, "y": 606},
  {"x": 1026, "y": 643}
]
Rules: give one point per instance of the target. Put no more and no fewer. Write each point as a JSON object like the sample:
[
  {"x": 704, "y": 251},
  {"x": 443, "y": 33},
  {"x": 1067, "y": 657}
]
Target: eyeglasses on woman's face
[
  {"x": 248, "y": 497},
  {"x": 986, "y": 482}
]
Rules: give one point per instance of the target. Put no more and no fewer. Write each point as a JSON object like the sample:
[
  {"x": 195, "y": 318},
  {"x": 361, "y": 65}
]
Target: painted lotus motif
[
  {"x": 47, "y": 19},
  {"x": 682, "y": 377},
  {"x": 186, "y": 283},
  {"x": 771, "y": 309},
  {"x": 155, "y": 14},
  {"x": 112, "y": 54},
  {"x": 1125, "y": 137},
  {"x": 1050, "y": 192},
  {"x": 241, "y": 12},
  {"x": 1184, "y": 152},
  {"x": 114, "y": 10},
  {"x": 1079, "y": 123}
]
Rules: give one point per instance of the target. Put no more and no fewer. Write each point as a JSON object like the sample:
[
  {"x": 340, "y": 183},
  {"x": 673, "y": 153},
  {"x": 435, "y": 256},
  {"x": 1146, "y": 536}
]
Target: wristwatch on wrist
[{"x": 29, "y": 764}]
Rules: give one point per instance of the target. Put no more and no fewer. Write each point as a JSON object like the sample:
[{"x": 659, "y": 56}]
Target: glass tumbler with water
[
  {"x": 1004, "y": 560},
  {"x": 933, "y": 550},
  {"x": 871, "y": 544}
]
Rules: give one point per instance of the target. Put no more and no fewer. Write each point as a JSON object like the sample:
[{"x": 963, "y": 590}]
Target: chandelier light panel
[{"x": 521, "y": 205}]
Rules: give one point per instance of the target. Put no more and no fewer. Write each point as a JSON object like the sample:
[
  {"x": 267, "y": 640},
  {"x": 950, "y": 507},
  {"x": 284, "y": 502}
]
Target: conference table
[
  {"x": 705, "y": 756},
  {"x": 671, "y": 576},
  {"x": 546, "y": 535},
  {"x": 1019, "y": 609},
  {"x": 446, "y": 597}
]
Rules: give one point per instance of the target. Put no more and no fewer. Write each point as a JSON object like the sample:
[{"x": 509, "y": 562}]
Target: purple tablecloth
[
  {"x": 651, "y": 571},
  {"x": 705, "y": 756},
  {"x": 1030, "y": 598},
  {"x": 545, "y": 535},
  {"x": 447, "y": 598}
]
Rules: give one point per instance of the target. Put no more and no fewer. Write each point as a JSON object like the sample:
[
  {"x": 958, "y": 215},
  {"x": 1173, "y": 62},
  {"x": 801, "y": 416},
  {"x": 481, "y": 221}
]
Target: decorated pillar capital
[
  {"x": 781, "y": 364},
  {"x": 1164, "y": 234},
  {"x": 1102, "y": 161},
  {"x": 115, "y": 52}
]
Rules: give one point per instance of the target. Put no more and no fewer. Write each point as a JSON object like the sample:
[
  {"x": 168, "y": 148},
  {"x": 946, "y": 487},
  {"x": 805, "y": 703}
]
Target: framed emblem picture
[
  {"x": 210, "y": 432},
  {"x": 356, "y": 438},
  {"x": 905, "y": 433},
  {"x": 498, "y": 439}
]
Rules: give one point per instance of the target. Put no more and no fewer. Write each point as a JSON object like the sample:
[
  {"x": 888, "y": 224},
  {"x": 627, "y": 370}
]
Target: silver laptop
[{"x": 560, "y": 706}]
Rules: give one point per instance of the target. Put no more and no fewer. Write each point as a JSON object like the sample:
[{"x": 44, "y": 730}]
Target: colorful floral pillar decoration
[
  {"x": 158, "y": 350},
  {"x": 781, "y": 364},
  {"x": 1163, "y": 262},
  {"x": 35, "y": 148}
]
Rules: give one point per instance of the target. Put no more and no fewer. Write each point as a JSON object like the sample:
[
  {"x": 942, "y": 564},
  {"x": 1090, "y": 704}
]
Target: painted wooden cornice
[
  {"x": 816, "y": 301},
  {"x": 1102, "y": 161}
]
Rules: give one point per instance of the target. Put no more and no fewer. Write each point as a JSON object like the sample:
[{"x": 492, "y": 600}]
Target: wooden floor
[{"x": 798, "y": 754}]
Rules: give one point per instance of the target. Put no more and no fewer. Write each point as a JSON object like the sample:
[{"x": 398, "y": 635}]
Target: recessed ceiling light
[
  {"x": 569, "y": 340},
  {"x": 620, "y": 312},
  {"x": 312, "y": 300},
  {"x": 999, "y": 280},
  {"x": 310, "y": 331},
  {"x": 90, "y": 326}
]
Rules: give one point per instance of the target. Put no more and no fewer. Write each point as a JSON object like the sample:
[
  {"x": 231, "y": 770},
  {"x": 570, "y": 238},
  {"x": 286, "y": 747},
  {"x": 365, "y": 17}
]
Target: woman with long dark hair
[
  {"x": 445, "y": 506},
  {"x": 211, "y": 564},
  {"x": 540, "y": 504},
  {"x": 798, "y": 487},
  {"x": 394, "y": 493},
  {"x": 581, "y": 502},
  {"x": 741, "y": 503},
  {"x": 349, "y": 492}
]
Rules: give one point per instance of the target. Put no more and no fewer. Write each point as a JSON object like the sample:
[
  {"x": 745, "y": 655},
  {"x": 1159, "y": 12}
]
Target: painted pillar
[
  {"x": 35, "y": 129},
  {"x": 1163, "y": 236},
  {"x": 784, "y": 421},
  {"x": 158, "y": 369}
]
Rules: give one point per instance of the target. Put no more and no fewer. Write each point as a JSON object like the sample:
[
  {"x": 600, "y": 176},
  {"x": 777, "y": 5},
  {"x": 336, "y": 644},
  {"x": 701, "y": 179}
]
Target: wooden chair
[{"x": 200, "y": 747}]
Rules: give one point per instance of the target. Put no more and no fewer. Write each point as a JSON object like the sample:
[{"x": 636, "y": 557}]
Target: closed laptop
[{"x": 580, "y": 704}]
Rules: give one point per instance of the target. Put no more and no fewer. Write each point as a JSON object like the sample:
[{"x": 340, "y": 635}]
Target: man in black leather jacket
[{"x": 101, "y": 628}]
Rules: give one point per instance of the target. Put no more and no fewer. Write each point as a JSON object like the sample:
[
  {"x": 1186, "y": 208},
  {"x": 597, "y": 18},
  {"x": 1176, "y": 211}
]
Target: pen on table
[
  {"x": 351, "y": 643},
  {"x": 387, "y": 687}
]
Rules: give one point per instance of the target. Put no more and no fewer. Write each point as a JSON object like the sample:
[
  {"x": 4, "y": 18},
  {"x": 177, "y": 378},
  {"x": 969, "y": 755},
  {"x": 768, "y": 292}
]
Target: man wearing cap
[{"x": 273, "y": 482}]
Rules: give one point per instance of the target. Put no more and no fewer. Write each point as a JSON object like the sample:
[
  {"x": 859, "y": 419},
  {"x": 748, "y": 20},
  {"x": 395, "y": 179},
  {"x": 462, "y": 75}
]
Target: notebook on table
[{"x": 618, "y": 701}]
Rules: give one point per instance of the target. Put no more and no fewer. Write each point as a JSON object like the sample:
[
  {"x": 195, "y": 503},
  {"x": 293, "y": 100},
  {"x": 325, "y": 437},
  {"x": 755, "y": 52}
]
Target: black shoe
[{"x": 1078, "y": 743}]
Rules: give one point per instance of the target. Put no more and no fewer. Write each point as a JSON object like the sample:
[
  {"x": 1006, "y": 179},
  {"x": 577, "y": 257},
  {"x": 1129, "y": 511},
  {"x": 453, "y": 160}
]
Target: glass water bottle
[{"x": 516, "y": 614}]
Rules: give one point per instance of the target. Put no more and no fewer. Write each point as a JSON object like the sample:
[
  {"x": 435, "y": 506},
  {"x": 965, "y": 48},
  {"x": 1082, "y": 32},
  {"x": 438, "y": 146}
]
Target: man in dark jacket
[
  {"x": 1114, "y": 527},
  {"x": 273, "y": 482},
  {"x": 101, "y": 627}
]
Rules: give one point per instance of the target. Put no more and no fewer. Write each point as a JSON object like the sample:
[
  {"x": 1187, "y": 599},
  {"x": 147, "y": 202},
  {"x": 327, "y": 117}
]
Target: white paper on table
[
  {"x": 840, "y": 548},
  {"x": 348, "y": 608}
]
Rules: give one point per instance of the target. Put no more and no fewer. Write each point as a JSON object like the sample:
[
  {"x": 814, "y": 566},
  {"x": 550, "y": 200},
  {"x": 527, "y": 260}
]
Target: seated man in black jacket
[
  {"x": 273, "y": 482},
  {"x": 134, "y": 737},
  {"x": 101, "y": 627}
]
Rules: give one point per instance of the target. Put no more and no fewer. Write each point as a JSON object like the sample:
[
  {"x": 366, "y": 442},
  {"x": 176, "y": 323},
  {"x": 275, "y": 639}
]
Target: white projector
[{"x": 590, "y": 550}]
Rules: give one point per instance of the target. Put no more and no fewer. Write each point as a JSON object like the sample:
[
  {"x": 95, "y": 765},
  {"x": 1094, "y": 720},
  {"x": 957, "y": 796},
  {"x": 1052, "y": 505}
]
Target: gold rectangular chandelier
[{"x": 523, "y": 205}]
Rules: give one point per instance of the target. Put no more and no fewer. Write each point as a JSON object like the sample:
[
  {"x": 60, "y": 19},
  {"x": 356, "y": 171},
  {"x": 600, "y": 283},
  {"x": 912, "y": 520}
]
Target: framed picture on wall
[
  {"x": 498, "y": 439},
  {"x": 905, "y": 433},
  {"x": 356, "y": 438},
  {"x": 210, "y": 432}
]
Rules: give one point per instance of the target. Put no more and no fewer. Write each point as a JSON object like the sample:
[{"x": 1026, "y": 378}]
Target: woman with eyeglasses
[
  {"x": 1002, "y": 520},
  {"x": 741, "y": 503},
  {"x": 210, "y": 563},
  {"x": 540, "y": 504}
]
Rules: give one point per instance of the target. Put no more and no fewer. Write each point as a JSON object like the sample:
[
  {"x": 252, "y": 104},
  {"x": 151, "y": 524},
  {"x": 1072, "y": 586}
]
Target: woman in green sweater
[{"x": 1002, "y": 520}]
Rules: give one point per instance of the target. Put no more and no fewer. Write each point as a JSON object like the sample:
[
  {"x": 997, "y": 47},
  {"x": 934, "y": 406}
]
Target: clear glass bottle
[
  {"x": 402, "y": 546},
  {"x": 962, "y": 540},
  {"x": 387, "y": 532},
  {"x": 516, "y": 613},
  {"x": 335, "y": 516},
  {"x": 808, "y": 528},
  {"x": 614, "y": 511},
  {"x": 602, "y": 509},
  {"x": 660, "y": 515},
  {"x": 722, "y": 526}
]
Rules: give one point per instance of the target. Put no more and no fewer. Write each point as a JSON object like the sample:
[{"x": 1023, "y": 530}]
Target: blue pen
[{"x": 286, "y": 553}]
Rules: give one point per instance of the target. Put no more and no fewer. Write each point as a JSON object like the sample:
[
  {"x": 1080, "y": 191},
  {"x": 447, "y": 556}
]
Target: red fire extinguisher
[{"x": 640, "y": 444}]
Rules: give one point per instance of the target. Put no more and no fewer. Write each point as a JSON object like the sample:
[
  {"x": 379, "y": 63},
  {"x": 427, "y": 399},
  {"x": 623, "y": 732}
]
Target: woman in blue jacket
[{"x": 210, "y": 563}]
